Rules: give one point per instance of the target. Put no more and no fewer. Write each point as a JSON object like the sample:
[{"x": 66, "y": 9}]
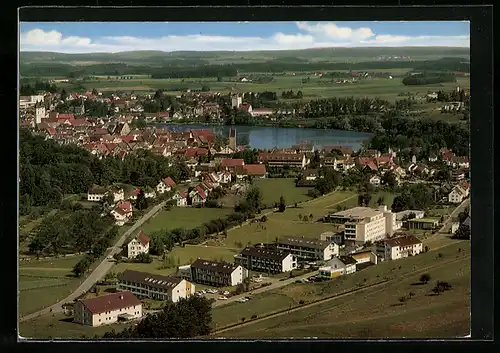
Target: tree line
[
  {"x": 428, "y": 79},
  {"x": 31, "y": 89}
]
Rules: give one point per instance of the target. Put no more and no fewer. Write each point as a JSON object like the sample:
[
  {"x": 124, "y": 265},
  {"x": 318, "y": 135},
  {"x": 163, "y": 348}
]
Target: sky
[{"x": 88, "y": 37}]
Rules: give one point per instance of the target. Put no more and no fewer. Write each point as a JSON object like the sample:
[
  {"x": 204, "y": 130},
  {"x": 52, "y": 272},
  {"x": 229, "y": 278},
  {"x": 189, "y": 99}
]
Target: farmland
[{"x": 372, "y": 312}]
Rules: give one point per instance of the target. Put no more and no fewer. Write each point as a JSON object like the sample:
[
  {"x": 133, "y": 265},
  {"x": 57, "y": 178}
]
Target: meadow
[{"x": 273, "y": 188}]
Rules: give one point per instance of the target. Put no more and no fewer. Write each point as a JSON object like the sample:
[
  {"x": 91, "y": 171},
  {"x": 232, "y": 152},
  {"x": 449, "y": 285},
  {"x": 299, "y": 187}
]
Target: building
[
  {"x": 39, "y": 112},
  {"x": 165, "y": 185},
  {"x": 180, "y": 199},
  {"x": 147, "y": 285},
  {"x": 308, "y": 249},
  {"x": 337, "y": 266},
  {"x": 138, "y": 245},
  {"x": 400, "y": 247},
  {"x": 232, "y": 133},
  {"x": 333, "y": 237},
  {"x": 293, "y": 160},
  {"x": 375, "y": 180},
  {"x": 403, "y": 215},
  {"x": 364, "y": 257},
  {"x": 107, "y": 309},
  {"x": 364, "y": 224},
  {"x": 236, "y": 101},
  {"x": 217, "y": 274},
  {"x": 421, "y": 223},
  {"x": 265, "y": 260},
  {"x": 458, "y": 194},
  {"x": 118, "y": 194},
  {"x": 96, "y": 193},
  {"x": 122, "y": 212}
]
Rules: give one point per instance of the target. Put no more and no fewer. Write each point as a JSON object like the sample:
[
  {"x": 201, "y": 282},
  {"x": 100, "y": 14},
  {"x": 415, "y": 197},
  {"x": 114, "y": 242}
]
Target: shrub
[
  {"x": 301, "y": 302},
  {"x": 254, "y": 316}
]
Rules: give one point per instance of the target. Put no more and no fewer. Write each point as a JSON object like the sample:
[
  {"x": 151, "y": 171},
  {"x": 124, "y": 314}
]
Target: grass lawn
[
  {"x": 154, "y": 267},
  {"x": 61, "y": 326},
  {"x": 273, "y": 188},
  {"x": 399, "y": 269},
  {"x": 187, "y": 217}
]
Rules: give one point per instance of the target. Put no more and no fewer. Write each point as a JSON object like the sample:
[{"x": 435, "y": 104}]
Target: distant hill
[{"x": 159, "y": 58}]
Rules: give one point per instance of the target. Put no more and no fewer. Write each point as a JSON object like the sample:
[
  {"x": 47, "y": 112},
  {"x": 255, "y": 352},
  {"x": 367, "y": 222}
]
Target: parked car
[
  {"x": 222, "y": 298},
  {"x": 242, "y": 300},
  {"x": 226, "y": 292}
]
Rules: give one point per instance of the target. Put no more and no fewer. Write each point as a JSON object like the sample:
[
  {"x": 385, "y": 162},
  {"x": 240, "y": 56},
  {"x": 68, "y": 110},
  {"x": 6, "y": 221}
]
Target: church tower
[{"x": 232, "y": 138}]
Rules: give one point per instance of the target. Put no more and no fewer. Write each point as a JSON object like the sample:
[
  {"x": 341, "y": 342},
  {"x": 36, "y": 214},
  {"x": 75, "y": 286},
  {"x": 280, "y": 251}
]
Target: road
[
  {"x": 454, "y": 214},
  {"x": 275, "y": 285},
  {"x": 99, "y": 272}
]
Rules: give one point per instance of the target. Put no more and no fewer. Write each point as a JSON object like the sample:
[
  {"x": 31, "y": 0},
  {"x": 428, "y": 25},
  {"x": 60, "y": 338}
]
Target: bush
[
  {"x": 301, "y": 302},
  {"x": 143, "y": 258},
  {"x": 254, "y": 316}
]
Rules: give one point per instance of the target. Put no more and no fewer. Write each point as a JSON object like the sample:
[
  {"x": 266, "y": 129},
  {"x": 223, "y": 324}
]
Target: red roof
[
  {"x": 403, "y": 241},
  {"x": 111, "y": 302},
  {"x": 194, "y": 152},
  {"x": 182, "y": 194},
  {"x": 255, "y": 169},
  {"x": 464, "y": 184},
  {"x": 51, "y": 130},
  {"x": 168, "y": 181},
  {"x": 66, "y": 116},
  {"x": 127, "y": 138},
  {"x": 163, "y": 114},
  {"x": 245, "y": 107},
  {"x": 201, "y": 191},
  {"x": 79, "y": 122},
  {"x": 124, "y": 206},
  {"x": 143, "y": 238},
  {"x": 228, "y": 162}
]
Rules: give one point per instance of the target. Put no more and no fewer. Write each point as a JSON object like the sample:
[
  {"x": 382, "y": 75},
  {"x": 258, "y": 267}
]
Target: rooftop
[
  {"x": 152, "y": 280},
  {"x": 224, "y": 267},
  {"x": 111, "y": 302},
  {"x": 264, "y": 253},
  {"x": 357, "y": 213},
  {"x": 305, "y": 242}
]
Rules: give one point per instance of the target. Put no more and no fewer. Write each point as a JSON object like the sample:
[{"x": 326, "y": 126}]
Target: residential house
[
  {"x": 138, "y": 245},
  {"x": 310, "y": 174},
  {"x": 117, "y": 193},
  {"x": 265, "y": 260},
  {"x": 224, "y": 177},
  {"x": 165, "y": 184},
  {"x": 337, "y": 266},
  {"x": 96, "y": 193},
  {"x": 364, "y": 257},
  {"x": 400, "y": 247},
  {"x": 180, "y": 197},
  {"x": 122, "y": 212},
  {"x": 217, "y": 274},
  {"x": 458, "y": 194},
  {"x": 198, "y": 195},
  {"x": 231, "y": 164},
  {"x": 153, "y": 286},
  {"x": 307, "y": 248},
  {"x": 107, "y": 309}
]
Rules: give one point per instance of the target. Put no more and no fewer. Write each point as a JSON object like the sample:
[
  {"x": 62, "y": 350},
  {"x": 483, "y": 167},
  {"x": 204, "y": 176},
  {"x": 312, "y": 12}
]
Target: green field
[
  {"x": 374, "y": 310},
  {"x": 178, "y": 217},
  {"x": 273, "y": 188}
]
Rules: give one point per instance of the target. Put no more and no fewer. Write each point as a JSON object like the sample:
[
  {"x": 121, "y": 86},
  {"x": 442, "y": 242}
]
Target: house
[
  {"x": 333, "y": 237},
  {"x": 165, "y": 185},
  {"x": 364, "y": 257},
  {"x": 308, "y": 249},
  {"x": 458, "y": 194},
  {"x": 252, "y": 170},
  {"x": 96, "y": 193},
  {"x": 400, "y": 247},
  {"x": 224, "y": 177},
  {"x": 421, "y": 223},
  {"x": 198, "y": 195},
  {"x": 138, "y": 245},
  {"x": 122, "y": 212},
  {"x": 375, "y": 180},
  {"x": 256, "y": 112},
  {"x": 310, "y": 174},
  {"x": 180, "y": 197},
  {"x": 217, "y": 274},
  {"x": 147, "y": 285},
  {"x": 337, "y": 266},
  {"x": 107, "y": 309},
  {"x": 265, "y": 260},
  {"x": 117, "y": 193},
  {"x": 231, "y": 164}
]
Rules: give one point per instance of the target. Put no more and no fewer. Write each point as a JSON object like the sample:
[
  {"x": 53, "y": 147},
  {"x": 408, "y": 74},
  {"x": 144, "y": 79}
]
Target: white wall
[{"x": 237, "y": 276}]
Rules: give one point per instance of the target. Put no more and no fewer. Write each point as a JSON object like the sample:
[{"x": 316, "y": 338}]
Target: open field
[
  {"x": 316, "y": 88},
  {"x": 179, "y": 217},
  {"x": 273, "y": 188},
  {"x": 388, "y": 198},
  {"x": 374, "y": 311}
]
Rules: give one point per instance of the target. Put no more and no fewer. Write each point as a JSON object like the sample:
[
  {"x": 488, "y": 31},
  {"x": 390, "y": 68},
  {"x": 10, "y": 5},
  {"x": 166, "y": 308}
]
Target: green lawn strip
[{"x": 273, "y": 188}]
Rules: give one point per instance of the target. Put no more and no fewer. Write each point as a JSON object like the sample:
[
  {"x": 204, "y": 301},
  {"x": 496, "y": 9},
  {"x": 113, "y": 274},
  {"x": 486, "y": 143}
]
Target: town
[{"x": 155, "y": 213}]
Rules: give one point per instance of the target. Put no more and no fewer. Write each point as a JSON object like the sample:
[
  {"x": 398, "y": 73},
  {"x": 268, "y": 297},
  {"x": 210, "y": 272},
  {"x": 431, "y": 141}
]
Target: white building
[
  {"x": 165, "y": 185},
  {"x": 96, "y": 193},
  {"x": 118, "y": 194},
  {"x": 107, "y": 309},
  {"x": 147, "y": 285},
  {"x": 138, "y": 245},
  {"x": 307, "y": 248},
  {"x": 338, "y": 266},
  {"x": 400, "y": 247},
  {"x": 458, "y": 194},
  {"x": 375, "y": 180},
  {"x": 265, "y": 260},
  {"x": 236, "y": 101},
  {"x": 39, "y": 112},
  {"x": 180, "y": 199},
  {"x": 363, "y": 224},
  {"x": 333, "y": 237},
  {"x": 217, "y": 274}
]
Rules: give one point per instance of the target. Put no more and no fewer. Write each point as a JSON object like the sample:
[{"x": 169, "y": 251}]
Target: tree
[
  {"x": 282, "y": 204},
  {"x": 380, "y": 200},
  {"x": 141, "y": 203},
  {"x": 143, "y": 258},
  {"x": 425, "y": 278}
]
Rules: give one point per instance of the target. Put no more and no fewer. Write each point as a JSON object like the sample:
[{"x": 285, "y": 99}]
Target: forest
[{"x": 428, "y": 79}]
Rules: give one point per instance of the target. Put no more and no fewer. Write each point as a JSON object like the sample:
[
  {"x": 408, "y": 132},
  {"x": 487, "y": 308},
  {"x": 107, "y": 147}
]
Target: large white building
[
  {"x": 217, "y": 274},
  {"x": 266, "y": 260},
  {"x": 338, "y": 266},
  {"x": 400, "y": 247},
  {"x": 307, "y": 248},
  {"x": 107, "y": 309},
  {"x": 147, "y": 285},
  {"x": 363, "y": 224},
  {"x": 138, "y": 245}
]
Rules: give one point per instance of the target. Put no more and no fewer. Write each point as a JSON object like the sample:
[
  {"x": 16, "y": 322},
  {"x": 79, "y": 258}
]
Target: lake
[{"x": 262, "y": 137}]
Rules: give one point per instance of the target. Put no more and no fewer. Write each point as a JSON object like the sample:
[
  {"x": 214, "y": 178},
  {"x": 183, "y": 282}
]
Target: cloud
[{"x": 309, "y": 35}]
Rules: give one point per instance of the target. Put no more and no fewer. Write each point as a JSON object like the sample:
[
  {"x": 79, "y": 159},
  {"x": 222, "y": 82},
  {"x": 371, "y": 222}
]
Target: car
[
  {"x": 222, "y": 298},
  {"x": 242, "y": 300},
  {"x": 226, "y": 292}
]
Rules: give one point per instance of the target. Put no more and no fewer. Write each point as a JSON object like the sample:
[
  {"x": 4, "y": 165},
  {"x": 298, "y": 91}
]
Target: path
[
  {"x": 99, "y": 272},
  {"x": 328, "y": 299}
]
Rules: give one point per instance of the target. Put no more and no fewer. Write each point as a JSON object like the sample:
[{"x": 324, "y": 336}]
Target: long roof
[
  {"x": 111, "y": 302},
  {"x": 264, "y": 253},
  {"x": 357, "y": 213},
  {"x": 152, "y": 280},
  {"x": 304, "y": 242},
  {"x": 403, "y": 241},
  {"x": 221, "y": 267}
]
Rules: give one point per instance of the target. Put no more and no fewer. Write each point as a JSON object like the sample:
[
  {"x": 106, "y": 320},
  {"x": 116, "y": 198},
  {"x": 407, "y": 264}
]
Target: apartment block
[
  {"x": 266, "y": 260},
  {"x": 306, "y": 249},
  {"x": 217, "y": 274}
]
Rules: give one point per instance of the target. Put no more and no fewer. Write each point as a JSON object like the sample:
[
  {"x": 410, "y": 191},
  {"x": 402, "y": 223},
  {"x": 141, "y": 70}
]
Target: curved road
[{"x": 99, "y": 272}]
